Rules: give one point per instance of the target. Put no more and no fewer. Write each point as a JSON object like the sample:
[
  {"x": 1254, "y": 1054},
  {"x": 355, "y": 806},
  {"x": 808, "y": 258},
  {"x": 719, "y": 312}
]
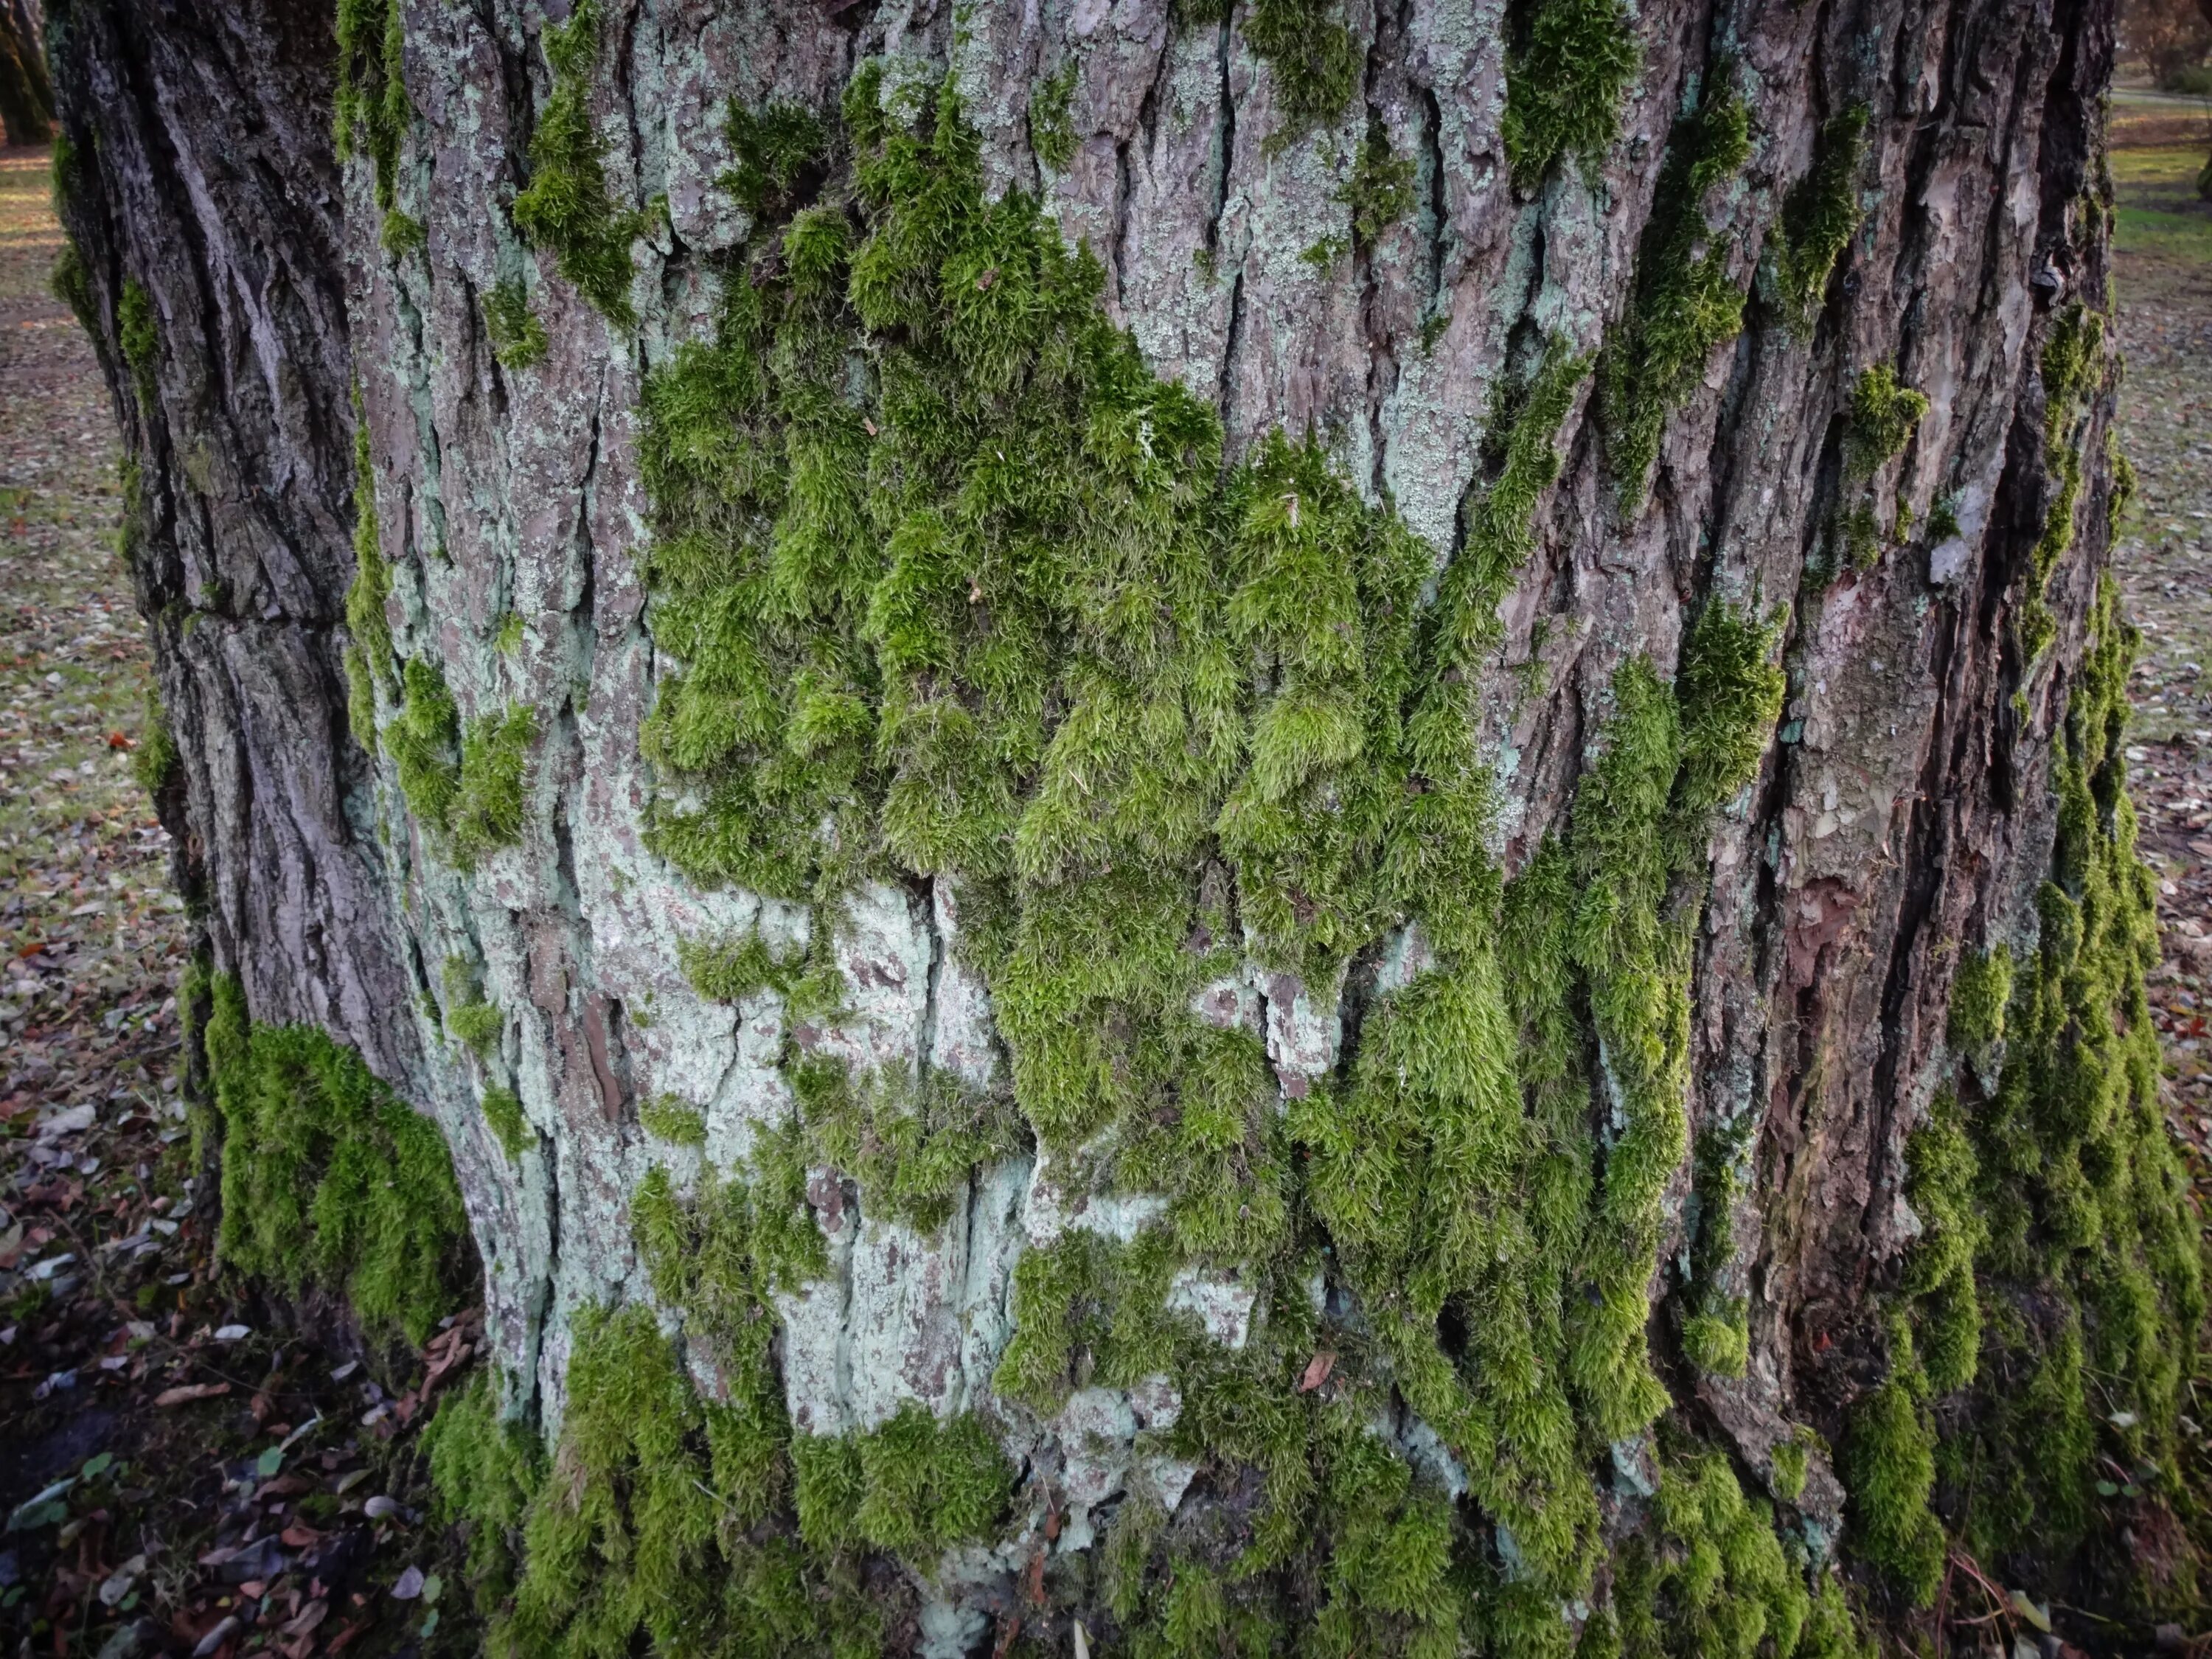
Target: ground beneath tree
[
  {"x": 182, "y": 1473},
  {"x": 179, "y": 1472}
]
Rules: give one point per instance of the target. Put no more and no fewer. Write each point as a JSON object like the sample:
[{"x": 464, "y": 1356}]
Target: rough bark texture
[{"x": 1903, "y": 814}]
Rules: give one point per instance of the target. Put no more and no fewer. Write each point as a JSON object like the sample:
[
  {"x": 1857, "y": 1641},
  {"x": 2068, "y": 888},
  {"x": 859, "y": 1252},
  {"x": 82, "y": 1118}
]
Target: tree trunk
[{"x": 1294, "y": 818}]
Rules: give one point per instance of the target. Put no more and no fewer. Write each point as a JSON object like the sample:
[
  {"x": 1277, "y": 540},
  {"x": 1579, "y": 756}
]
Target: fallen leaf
[
  {"x": 185, "y": 1391},
  {"x": 309, "y": 1616},
  {"x": 409, "y": 1585},
  {"x": 1316, "y": 1371}
]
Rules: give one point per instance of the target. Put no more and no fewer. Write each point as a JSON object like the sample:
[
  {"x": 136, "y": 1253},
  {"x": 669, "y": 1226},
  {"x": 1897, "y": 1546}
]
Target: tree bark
[{"x": 1390, "y": 274}]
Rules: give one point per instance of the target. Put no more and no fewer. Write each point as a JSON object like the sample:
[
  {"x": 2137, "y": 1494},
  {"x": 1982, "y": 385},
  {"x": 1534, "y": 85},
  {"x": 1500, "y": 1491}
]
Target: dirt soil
[
  {"x": 184, "y": 1472},
  {"x": 180, "y": 1472}
]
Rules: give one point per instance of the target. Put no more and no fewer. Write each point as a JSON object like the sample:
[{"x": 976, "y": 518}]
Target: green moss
[
  {"x": 1889, "y": 1463},
  {"x": 486, "y": 1468},
  {"x": 670, "y": 1118},
  {"x": 423, "y": 739},
  {"x": 480, "y": 1024},
  {"x": 72, "y": 285},
  {"x": 369, "y": 660},
  {"x": 1710, "y": 1576},
  {"x": 1791, "y": 1464},
  {"x": 926, "y": 1484},
  {"x": 1883, "y": 413},
  {"x": 1685, "y": 303},
  {"x": 2088, "y": 1264},
  {"x": 486, "y": 810},
  {"x": 1817, "y": 218},
  {"x": 1942, "y": 1172},
  {"x": 371, "y": 107},
  {"x": 911, "y": 1145},
  {"x": 732, "y": 970},
  {"x": 139, "y": 334},
  {"x": 518, "y": 337},
  {"x": 566, "y": 208},
  {"x": 1052, "y": 130},
  {"x": 774, "y": 148},
  {"x": 155, "y": 762},
  {"x": 1572, "y": 63},
  {"x": 328, "y": 1177},
  {"x": 2073, "y": 366},
  {"x": 402, "y": 235},
  {"x": 1315, "y": 58},
  {"x": 1379, "y": 190},
  {"x": 1981, "y": 990},
  {"x": 502, "y": 1110},
  {"x": 465, "y": 786}
]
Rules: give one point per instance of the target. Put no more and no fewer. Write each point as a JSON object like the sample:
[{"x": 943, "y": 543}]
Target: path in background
[
  {"x": 229, "y": 1486},
  {"x": 2163, "y": 275}
]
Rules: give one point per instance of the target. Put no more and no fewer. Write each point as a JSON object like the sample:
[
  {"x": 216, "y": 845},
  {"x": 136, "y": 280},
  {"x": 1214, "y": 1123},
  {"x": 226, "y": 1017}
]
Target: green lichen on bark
[
  {"x": 1685, "y": 303},
  {"x": 327, "y": 1177},
  {"x": 1564, "y": 81},
  {"x": 1817, "y": 218},
  {"x": 566, "y": 209}
]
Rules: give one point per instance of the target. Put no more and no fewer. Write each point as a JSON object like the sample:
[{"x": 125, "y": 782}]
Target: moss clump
[
  {"x": 487, "y": 1468},
  {"x": 479, "y": 1024},
  {"x": 1883, "y": 412},
  {"x": 2090, "y": 1265},
  {"x": 486, "y": 810},
  {"x": 672, "y": 1119},
  {"x": 371, "y": 107},
  {"x": 910, "y": 1144},
  {"x": 1817, "y": 218},
  {"x": 1941, "y": 1173},
  {"x": 2073, "y": 366},
  {"x": 140, "y": 337},
  {"x": 464, "y": 786},
  {"x": 775, "y": 147},
  {"x": 1684, "y": 304},
  {"x": 1981, "y": 991},
  {"x": 510, "y": 1126},
  {"x": 566, "y": 208},
  {"x": 422, "y": 740},
  {"x": 1889, "y": 1462},
  {"x": 1710, "y": 1576},
  {"x": 1379, "y": 190},
  {"x": 327, "y": 1177},
  {"x": 1051, "y": 128},
  {"x": 1572, "y": 63},
  {"x": 732, "y": 970},
  {"x": 369, "y": 660},
  {"x": 518, "y": 337},
  {"x": 155, "y": 762},
  {"x": 1315, "y": 58},
  {"x": 913, "y": 1486}
]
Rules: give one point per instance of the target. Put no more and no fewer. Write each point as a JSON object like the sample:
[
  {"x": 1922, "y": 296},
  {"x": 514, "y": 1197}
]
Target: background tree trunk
[{"x": 1334, "y": 224}]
